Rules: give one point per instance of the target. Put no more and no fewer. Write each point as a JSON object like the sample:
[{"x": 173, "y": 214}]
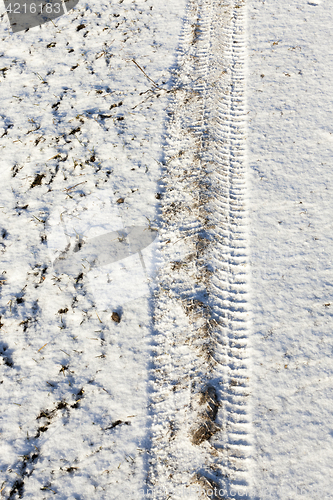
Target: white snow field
[
  {"x": 290, "y": 146},
  {"x": 165, "y": 281}
]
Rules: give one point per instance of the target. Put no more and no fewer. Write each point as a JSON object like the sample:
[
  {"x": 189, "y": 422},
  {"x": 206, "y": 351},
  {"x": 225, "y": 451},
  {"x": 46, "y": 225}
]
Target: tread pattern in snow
[{"x": 200, "y": 414}]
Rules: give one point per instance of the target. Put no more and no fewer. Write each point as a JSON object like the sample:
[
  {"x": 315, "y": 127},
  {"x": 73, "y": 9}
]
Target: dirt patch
[
  {"x": 209, "y": 408},
  {"x": 37, "y": 180}
]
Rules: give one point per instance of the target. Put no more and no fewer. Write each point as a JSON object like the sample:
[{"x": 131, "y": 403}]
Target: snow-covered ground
[
  {"x": 166, "y": 282},
  {"x": 82, "y": 140},
  {"x": 290, "y": 164}
]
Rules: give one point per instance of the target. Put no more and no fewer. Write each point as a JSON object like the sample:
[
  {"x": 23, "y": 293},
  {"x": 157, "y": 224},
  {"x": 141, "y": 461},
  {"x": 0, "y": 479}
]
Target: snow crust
[
  {"x": 77, "y": 111},
  {"x": 99, "y": 384},
  {"x": 290, "y": 158}
]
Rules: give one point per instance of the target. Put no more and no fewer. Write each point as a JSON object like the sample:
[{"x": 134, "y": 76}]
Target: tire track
[{"x": 200, "y": 415}]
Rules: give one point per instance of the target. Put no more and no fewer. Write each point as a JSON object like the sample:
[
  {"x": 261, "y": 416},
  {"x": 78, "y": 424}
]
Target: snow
[
  {"x": 62, "y": 353},
  {"x": 290, "y": 151},
  {"x": 166, "y": 256}
]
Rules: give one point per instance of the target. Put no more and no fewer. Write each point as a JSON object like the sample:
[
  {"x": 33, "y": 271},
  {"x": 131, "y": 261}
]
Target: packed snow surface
[{"x": 166, "y": 252}]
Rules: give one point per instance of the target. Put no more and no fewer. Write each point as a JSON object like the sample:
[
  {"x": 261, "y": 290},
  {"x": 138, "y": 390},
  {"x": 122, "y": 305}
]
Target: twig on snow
[{"x": 144, "y": 72}]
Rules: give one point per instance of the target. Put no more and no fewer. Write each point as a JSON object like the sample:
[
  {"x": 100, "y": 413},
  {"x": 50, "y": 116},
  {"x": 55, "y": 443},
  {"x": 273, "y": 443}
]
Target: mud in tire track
[{"x": 200, "y": 381}]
